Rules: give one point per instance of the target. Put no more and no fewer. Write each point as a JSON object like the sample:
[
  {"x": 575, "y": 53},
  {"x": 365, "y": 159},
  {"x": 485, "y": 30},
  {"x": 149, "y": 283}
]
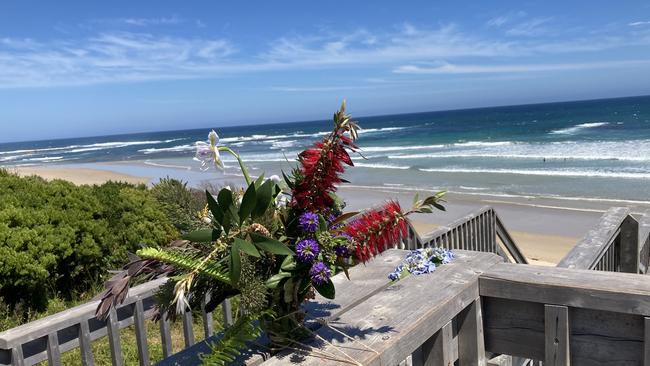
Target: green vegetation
[{"x": 58, "y": 240}]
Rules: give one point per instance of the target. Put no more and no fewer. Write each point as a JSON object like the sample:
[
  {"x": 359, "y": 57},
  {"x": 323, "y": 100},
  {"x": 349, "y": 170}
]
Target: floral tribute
[
  {"x": 421, "y": 261},
  {"x": 273, "y": 244}
]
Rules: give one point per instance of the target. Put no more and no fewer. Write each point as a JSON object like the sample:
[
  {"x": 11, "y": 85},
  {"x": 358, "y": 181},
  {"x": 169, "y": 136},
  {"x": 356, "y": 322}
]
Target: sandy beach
[
  {"x": 545, "y": 229},
  {"x": 78, "y": 176}
]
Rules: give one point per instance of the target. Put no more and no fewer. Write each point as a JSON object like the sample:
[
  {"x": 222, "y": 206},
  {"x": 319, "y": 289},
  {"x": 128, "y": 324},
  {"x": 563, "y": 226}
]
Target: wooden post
[
  {"x": 556, "y": 333},
  {"x": 208, "y": 328},
  {"x": 227, "y": 312},
  {"x": 113, "y": 329},
  {"x": 646, "y": 342},
  {"x": 188, "y": 330},
  {"x": 471, "y": 349},
  {"x": 53, "y": 352},
  {"x": 437, "y": 350},
  {"x": 630, "y": 245},
  {"x": 85, "y": 345},
  {"x": 165, "y": 335},
  {"x": 17, "y": 358},
  {"x": 141, "y": 334}
]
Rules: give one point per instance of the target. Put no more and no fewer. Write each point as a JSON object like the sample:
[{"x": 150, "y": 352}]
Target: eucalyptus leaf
[
  {"x": 288, "y": 290},
  {"x": 289, "y": 263},
  {"x": 235, "y": 265}
]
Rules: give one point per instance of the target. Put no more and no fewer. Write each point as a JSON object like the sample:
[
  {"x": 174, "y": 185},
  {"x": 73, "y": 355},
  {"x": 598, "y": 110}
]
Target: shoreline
[{"x": 545, "y": 228}]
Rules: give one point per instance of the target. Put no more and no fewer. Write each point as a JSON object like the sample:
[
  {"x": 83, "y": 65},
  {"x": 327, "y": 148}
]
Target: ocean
[{"x": 591, "y": 150}]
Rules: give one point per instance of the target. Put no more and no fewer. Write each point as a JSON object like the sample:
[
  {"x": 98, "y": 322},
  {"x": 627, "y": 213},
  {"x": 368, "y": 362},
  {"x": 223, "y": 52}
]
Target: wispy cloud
[
  {"x": 140, "y": 22},
  {"x": 504, "y": 19},
  {"x": 637, "y": 24},
  {"x": 121, "y": 56},
  {"x": 530, "y": 28},
  {"x": 448, "y": 68}
]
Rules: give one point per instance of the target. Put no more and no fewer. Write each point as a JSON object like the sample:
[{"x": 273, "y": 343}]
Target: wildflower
[
  {"x": 343, "y": 250},
  {"x": 308, "y": 222},
  {"x": 320, "y": 273},
  {"x": 422, "y": 261},
  {"x": 307, "y": 250},
  {"x": 209, "y": 153},
  {"x": 377, "y": 229}
]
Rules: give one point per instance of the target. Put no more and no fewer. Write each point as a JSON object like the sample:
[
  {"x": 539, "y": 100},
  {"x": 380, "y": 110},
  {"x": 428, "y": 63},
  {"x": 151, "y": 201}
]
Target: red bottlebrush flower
[
  {"x": 321, "y": 167},
  {"x": 377, "y": 229}
]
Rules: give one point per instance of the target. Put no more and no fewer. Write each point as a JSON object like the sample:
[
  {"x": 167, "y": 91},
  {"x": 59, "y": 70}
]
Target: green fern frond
[
  {"x": 235, "y": 338},
  {"x": 185, "y": 261}
]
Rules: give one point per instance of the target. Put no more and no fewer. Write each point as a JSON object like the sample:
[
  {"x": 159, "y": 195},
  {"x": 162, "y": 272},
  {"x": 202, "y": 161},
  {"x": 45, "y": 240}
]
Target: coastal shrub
[
  {"x": 180, "y": 203},
  {"x": 58, "y": 239}
]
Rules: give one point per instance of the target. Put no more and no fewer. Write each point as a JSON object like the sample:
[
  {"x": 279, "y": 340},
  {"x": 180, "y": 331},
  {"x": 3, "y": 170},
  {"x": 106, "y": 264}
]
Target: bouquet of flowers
[{"x": 273, "y": 244}]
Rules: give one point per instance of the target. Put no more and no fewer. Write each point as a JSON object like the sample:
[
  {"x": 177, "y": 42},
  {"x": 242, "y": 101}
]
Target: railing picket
[
  {"x": 437, "y": 350},
  {"x": 556, "y": 330},
  {"x": 646, "y": 342},
  {"x": 113, "y": 330},
  {"x": 53, "y": 352},
  {"x": 471, "y": 349},
  {"x": 188, "y": 329},
  {"x": 141, "y": 334},
  {"x": 226, "y": 308},
  {"x": 165, "y": 335},
  {"x": 208, "y": 328},
  {"x": 85, "y": 345},
  {"x": 17, "y": 358}
]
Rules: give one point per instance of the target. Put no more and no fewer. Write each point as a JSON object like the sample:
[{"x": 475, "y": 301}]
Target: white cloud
[
  {"x": 113, "y": 57},
  {"x": 501, "y": 20},
  {"x": 530, "y": 28},
  {"x": 636, "y": 24},
  {"x": 448, "y": 68}
]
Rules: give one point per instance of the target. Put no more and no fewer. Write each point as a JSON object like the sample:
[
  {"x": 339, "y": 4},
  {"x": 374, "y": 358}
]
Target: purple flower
[
  {"x": 343, "y": 250},
  {"x": 308, "y": 222},
  {"x": 320, "y": 273},
  {"x": 307, "y": 250}
]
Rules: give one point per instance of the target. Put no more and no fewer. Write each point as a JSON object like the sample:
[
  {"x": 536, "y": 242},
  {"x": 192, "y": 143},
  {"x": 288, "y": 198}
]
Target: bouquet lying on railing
[{"x": 273, "y": 244}]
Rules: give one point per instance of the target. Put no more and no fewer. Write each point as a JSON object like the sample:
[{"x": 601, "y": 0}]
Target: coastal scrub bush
[
  {"x": 58, "y": 239},
  {"x": 180, "y": 203}
]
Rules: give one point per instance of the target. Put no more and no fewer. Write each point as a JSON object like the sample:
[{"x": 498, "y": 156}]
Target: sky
[{"x": 84, "y": 68}]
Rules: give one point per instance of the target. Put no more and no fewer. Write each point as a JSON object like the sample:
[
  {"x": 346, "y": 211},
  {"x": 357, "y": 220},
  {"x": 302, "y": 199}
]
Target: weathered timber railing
[
  {"x": 619, "y": 243},
  {"x": 566, "y": 316},
  {"x": 48, "y": 338},
  {"x": 476, "y": 231}
]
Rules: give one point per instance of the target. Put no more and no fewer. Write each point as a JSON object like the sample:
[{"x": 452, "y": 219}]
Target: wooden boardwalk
[{"x": 486, "y": 307}]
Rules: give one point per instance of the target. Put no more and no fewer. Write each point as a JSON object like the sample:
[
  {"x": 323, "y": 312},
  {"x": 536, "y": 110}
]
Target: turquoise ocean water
[{"x": 588, "y": 149}]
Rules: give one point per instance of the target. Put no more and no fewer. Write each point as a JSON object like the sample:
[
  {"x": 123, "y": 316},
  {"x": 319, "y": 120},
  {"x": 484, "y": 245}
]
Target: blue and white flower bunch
[{"x": 421, "y": 261}]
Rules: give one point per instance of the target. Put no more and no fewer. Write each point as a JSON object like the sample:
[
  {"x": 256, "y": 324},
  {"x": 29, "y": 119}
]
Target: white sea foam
[
  {"x": 399, "y": 148},
  {"x": 178, "y": 148},
  {"x": 275, "y": 144},
  {"x": 381, "y": 166},
  {"x": 578, "y": 128},
  {"x": 538, "y": 172}
]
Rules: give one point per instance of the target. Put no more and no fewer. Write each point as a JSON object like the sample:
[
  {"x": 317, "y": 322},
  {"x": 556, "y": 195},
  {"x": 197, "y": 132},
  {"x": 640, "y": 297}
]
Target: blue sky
[{"x": 80, "y": 68}]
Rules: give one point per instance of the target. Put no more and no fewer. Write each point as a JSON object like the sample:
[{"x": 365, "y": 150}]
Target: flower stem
[{"x": 241, "y": 163}]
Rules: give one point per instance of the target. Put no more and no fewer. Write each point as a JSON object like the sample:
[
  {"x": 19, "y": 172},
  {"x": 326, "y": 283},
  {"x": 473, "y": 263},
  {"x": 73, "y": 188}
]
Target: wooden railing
[
  {"x": 619, "y": 243},
  {"x": 47, "y": 338},
  {"x": 476, "y": 231},
  {"x": 566, "y": 316}
]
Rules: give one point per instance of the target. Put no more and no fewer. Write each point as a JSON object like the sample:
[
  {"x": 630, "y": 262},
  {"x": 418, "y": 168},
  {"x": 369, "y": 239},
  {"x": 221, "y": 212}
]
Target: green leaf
[
  {"x": 225, "y": 200},
  {"x": 439, "y": 207},
  {"x": 235, "y": 265},
  {"x": 287, "y": 180},
  {"x": 275, "y": 280},
  {"x": 270, "y": 245},
  {"x": 264, "y": 197},
  {"x": 217, "y": 212},
  {"x": 344, "y": 217},
  {"x": 326, "y": 290},
  {"x": 200, "y": 236},
  {"x": 288, "y": 290},
  {"x": 246, "y": 247},
  {"x": 415, "y": 198},
  {"x": 322, "y": 224},
  {"x": 289, "y": 263},
  {"x": 259, "y": 180},
  {"x": 247, "y": 204}
]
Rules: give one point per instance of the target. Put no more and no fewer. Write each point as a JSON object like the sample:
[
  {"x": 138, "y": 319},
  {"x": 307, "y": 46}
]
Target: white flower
[
  {"x": 208, "y": 154},
  {"x": 275, "y": 179},
  {"x": 282, "y": 200}
]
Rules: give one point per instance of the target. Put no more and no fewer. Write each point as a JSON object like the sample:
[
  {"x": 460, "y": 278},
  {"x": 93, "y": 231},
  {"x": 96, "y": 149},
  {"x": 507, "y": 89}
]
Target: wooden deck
[{"x": 486, "y": 307}]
